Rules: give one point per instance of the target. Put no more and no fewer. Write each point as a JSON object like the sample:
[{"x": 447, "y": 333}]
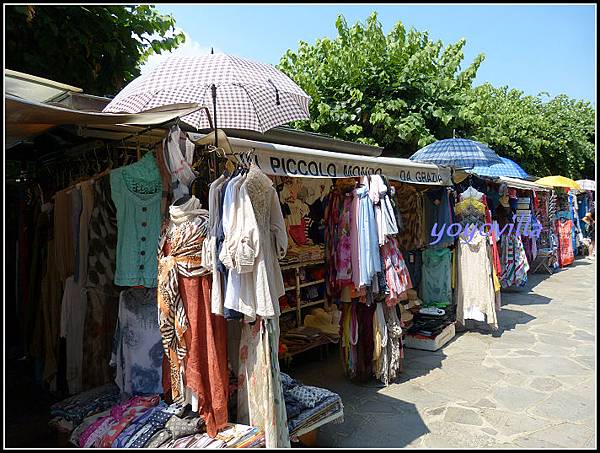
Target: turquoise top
[{"x": 136, "y": 191}]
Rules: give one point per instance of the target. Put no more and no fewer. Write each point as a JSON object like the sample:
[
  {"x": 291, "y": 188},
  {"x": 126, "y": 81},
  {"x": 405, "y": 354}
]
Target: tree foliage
[
  {"x": 97, "y": 48},
  {"x": 403, "y": 91},
  {"x": 545, "y": 138}
]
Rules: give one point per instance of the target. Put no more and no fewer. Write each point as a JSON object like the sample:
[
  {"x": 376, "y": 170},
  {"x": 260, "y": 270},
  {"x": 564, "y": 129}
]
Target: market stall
[{"x": 322, "y": 195}]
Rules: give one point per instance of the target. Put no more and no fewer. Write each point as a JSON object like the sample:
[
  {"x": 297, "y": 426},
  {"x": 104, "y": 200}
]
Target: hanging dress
[{"x": 475, "y": 296}]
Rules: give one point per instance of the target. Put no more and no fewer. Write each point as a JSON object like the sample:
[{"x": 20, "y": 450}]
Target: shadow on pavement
[{"x": 390, "y": 420}]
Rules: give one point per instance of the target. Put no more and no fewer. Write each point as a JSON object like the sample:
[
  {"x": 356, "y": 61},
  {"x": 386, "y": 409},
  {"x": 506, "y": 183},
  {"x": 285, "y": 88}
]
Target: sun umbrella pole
[{"x": 213, "y": 89}]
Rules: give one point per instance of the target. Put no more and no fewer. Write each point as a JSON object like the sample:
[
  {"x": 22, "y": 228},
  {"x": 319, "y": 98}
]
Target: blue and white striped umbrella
[
  {"x": 457, "y": 152},
  {"x": 506, "y": 168}
]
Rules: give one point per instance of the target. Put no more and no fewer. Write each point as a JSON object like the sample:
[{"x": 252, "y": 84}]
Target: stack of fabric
[
  {"x": 70, "y": 412},
  {"x": 308, "y": 407},
  {"x": 242, "y": 436},
  {"x": 299, "y": 338},
  {"x": 97, "y": 419},
  {"x": 233, "y": 436},
  {"x": 430, "y": 325},
  {"x": 304, "y": 253}
]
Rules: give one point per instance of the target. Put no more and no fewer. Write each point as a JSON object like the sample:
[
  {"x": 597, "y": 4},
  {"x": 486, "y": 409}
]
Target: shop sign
[{"x": 323, "y": 167}]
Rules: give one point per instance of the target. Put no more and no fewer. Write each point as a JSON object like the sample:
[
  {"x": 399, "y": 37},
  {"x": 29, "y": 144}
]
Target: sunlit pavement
[{"x": 531, "y": 385}]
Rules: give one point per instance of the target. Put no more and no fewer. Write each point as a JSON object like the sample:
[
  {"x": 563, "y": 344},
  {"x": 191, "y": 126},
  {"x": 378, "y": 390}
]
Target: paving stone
[
  {"x": 517, "y": 398},
  {"x": 583, "y": 335},
  {"x": 591, "y": 442},
  {"x": 564, "y": 406},
  {"x": 385, "y": 432},
  {"x": 557, "y": 339},
  {"x": 516, "y": 379},
  {"x": 462, "y": 390},
  {"x": 566, "y": 435},
  {"x": 463, "y": 416},
  {"x": 378, "y": 407},
  {"x": 452, "y": 435},
  {"x": 584, "y": 389},
  {"x": 436, "y": 411},
  {"x": 541, "y": 366},
  {"x": 585, "y": 349},
  {"x": 587, "y": 361},
  {"x": 545, "y": 384},
  {"x": 482, "y": 403},
  {"x": 548, "y": 350},
  {"x": 509, "y": 423},
  {"x": 525, "y": 352}
]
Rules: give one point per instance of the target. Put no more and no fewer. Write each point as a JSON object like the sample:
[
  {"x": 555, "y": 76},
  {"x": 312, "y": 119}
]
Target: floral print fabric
[
  {"x": 260, "y": 393},
  {"x": 410, "y": 204},
  {"x": 397, "y": 277},
  {"x": 344, "y": 246},
  {"x": 137, "y": 348},
  {"x": 121, "y": 420}
]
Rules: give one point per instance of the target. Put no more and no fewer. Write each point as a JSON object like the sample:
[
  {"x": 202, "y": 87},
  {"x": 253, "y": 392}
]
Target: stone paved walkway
[{"x": 532, "y": 386}]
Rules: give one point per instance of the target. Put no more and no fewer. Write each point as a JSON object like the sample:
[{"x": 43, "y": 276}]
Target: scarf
[
  {"x": 184, "y": 259},
  {"x": 186, "y": 211}
]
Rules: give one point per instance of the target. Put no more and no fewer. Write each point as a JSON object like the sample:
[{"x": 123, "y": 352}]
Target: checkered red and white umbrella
[{"x": 249, "y": 95}]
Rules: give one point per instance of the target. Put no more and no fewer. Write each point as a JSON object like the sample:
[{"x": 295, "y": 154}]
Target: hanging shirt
[
  {"x": 354, "y": 240},
  {"x": 437, "y": 215},
  {"x": 369, "y": 260},
  {"x": 436, "y": 281},
  {"x": 209, "y": 250},
  {"x": 231, "y": 215},
  {"x": 136, "y": 191},
  {"x": 137, "y": 345}
]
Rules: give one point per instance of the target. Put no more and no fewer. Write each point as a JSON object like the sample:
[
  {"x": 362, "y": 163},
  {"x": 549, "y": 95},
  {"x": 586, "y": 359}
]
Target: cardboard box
[{"x": 434, "y": 344}]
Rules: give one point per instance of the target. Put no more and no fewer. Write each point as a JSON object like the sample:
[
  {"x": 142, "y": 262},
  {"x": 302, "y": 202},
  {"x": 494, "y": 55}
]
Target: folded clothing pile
[
  {"x": 69, "y": 413},
  {"x": 308, "y": 406},
  {"x": 96, "y": 418},
  {"x": 430, "y": 325},
  {"x": 303, "y": 253},
  {"x": 141, "y": 421},
  {"x": 313, "y": 293},
  {"x": 233, "y": 436}
]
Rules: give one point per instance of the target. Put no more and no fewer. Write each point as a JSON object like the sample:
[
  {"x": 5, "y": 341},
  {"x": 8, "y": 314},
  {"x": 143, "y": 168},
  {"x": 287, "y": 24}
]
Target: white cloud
[{"x": 188, "y": 48}]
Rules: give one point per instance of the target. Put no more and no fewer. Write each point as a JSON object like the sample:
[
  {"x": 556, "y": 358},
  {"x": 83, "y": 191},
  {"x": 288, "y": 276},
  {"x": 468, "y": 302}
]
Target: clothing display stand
[
  {"x": 299, "y": 286},
  {"x": 543, "y": 261}
]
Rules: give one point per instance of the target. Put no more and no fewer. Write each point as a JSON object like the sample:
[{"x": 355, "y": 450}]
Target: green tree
[
  {"x": 545, "y": 138},
  {"x": 97, "y": 48},
  {"x": 400, "y": 91},
  {"x": 403, "y": 91}
]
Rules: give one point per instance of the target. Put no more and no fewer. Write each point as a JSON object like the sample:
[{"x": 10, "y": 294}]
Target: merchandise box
[{"x": 433, "y": 344}]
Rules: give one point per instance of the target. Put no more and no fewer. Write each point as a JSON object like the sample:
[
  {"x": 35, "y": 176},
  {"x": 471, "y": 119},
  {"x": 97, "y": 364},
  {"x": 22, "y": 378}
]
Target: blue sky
[{"x": 533, "y": 48}]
